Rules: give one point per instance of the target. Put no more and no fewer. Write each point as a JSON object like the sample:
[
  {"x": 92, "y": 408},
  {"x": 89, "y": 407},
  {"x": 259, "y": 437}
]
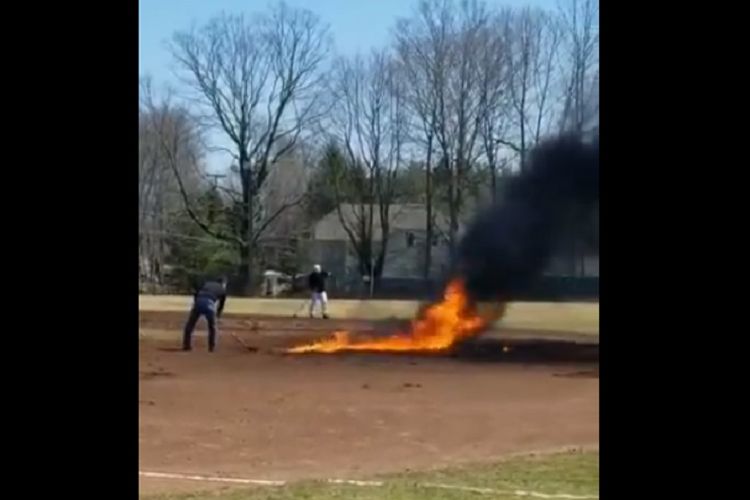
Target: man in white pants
[{"x": 317, "y": 282}]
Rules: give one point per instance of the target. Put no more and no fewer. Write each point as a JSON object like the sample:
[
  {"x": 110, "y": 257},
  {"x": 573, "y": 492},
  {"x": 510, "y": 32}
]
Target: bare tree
[
  {"x": 495, "y": 110},
  {"x": 453, "y": 35},
  {"x": 580, "y": 60},
  {"x": 422, "y": 65},
  {"x": 259, "y": 80},
  {"x": 369, "y": 121},
  {"x": 535, "y": 38},
  {"x": 169, "y": 144},
  {"x": 282, "y": 191},
  {"x": 579, "y": 20},
  {"x": 177, "y": 144}
]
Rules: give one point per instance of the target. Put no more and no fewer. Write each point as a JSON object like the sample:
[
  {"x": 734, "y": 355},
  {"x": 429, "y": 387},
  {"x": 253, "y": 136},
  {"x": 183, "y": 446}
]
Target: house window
[{"x": 410, "y": 240}]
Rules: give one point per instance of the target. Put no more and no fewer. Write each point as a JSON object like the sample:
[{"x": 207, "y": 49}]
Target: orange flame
[{"x": 437, "y": 328}]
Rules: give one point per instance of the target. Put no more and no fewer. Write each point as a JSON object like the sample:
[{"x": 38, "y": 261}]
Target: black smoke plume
[{"x": 509, "y": 245}]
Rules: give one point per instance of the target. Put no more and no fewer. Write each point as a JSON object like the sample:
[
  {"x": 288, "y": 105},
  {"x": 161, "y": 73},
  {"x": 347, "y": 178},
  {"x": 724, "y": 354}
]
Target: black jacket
[
  {"x": 317, "y": 281},
  {"x": 215, "y": 292}
]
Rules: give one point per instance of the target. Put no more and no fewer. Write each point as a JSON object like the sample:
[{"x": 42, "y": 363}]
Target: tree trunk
[
  {"x": 246, "y": 230},
  {"x": 380, "y": 260},
  {"x": 523, "y": 116},
  {"x": 428, "y": 206},
  {"x": 245, "y": 270},
  {"x": 523, "y": 144},
  {"x": 493, "y": 179},
  {"x": 453, "y": 209}
]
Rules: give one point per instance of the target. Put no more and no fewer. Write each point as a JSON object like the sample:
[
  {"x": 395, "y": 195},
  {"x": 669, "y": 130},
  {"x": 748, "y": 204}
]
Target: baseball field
[{"x": 513, "y": 413}]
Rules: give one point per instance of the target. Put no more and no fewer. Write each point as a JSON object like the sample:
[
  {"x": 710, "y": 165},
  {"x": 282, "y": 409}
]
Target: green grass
[
  {"x": 567, "y": 317},
  {"x": 573, "y": 473}
]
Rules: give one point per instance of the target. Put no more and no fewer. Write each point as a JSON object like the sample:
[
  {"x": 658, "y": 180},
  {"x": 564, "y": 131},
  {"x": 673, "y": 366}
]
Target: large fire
[{"x": 437, "y": 328}]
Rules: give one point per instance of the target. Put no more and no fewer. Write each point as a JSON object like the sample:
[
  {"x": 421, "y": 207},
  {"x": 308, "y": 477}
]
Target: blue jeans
[{"x": 201, "y": 307}]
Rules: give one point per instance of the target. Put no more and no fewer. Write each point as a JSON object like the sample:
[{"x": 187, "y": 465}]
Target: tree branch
[
  {"x": 509, "y": 145},
  {"x": 273, "y": 217}
]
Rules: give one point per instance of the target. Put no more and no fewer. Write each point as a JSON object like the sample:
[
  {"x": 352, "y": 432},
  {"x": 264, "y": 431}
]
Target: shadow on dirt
[
  {"x": 580, "y": 374},
  {"x": 526, "y": 351},
  {"x": 169, "y": 349},
  {"x": 148, "y": 375}
]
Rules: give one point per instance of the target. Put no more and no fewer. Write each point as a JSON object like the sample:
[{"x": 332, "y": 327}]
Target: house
[{"x": 330, "y": 245}]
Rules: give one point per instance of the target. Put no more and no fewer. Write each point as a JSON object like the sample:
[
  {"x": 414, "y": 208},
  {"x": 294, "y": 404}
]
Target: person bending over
[{"x": 208, "y": 302}]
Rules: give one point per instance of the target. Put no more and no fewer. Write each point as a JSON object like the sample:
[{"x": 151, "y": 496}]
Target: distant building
[{"x": 330, "y": 245}]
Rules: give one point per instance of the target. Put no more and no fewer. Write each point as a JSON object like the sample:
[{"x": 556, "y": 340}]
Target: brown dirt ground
[{"x": 253, "y": 413}]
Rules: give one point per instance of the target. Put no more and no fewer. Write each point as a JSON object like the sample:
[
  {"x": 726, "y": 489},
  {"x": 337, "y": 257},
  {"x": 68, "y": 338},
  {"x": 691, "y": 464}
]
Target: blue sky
[{"x": 356, "y": 25}]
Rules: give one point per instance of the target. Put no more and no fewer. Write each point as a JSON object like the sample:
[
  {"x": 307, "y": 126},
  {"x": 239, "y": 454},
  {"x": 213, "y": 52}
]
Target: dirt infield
[
  {"x": 167, "y": 324},
  {"x": 251, "y": 413}
]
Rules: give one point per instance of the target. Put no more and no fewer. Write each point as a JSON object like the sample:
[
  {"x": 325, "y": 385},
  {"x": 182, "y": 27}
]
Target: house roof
[{"x": 402, "y": 217}]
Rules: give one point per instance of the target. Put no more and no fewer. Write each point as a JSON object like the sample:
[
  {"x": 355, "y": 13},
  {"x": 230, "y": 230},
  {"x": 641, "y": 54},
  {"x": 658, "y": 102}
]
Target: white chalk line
[
  {"x": 216, "y": 479},
  {"x": 518, "y": 493},
  {"x": 355, "y": 482}
]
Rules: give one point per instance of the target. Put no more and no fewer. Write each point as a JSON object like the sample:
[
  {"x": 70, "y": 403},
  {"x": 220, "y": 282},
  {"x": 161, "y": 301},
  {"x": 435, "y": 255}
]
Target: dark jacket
[
  {"x": 317, "y": 281},
  {"x": 213, "y": 291}
]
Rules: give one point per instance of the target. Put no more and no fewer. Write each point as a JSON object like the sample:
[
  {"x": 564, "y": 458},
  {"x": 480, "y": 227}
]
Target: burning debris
[
  {"x": 503, "y": 250},
  {"x": 437, "y": 328}
]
